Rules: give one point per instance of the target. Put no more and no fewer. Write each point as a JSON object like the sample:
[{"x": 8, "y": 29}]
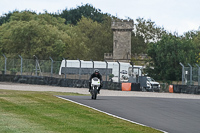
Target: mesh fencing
[
  {"x": 30, "y": 67},
  {"x": 46, "y": 72},
  {"x": 190, "y": 76},
  {"x": 50, "y": 68}
]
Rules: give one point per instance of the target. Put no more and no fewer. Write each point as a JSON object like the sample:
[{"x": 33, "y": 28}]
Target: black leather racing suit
[{"x": 98, "y": 75}]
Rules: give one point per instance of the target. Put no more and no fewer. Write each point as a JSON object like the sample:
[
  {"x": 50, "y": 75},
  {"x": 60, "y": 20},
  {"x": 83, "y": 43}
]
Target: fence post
[
  {"x": 5, "y": 63},
  {"x": 190, "y": 74},
  {"x": 65, "y": 67},
  {"x": 106, "y": 69},
  {"x": 119, "y": 72},
  {"x": 132, "y": 64},
  {"x": 80, "y": 70},
  {"x": 51, "y": 66},
  {"x": 21, "y": 63},
  {"x": 35, "y": 64},
  {"x": 183, "y": 73},
  {"x": 198, "y": 74},
  {"x": 92, "y": 65}
]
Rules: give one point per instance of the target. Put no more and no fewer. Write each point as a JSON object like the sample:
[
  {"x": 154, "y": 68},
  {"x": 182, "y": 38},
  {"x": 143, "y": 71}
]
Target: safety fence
[
  {"x": 48, "y": 68},
  {"x": 30, "y": 67},
  {"x": 190, "y": 74},
  {"x": 190, "y": 80},
  {"x": 50, "y": 72}
]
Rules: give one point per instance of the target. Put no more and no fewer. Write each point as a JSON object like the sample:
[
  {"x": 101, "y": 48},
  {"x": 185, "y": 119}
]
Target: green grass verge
[{"x": 42, "y": 112}]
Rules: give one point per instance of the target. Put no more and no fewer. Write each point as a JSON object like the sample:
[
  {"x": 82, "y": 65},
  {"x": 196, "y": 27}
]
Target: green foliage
[
  {"x": 111, "y": 76},
  {"x": 146, "y": 31},
  {"x": 45, "y": 35},
  {"x": 166, "y": 55},
  {"x": 29, "y": 34},
  {"x": 138, "y": 44},
  {"x": 149, "y": 30},
  {"x": 196, "y": 39},
  {"x": 97, "y": 38},
  {"x": 73, "y": 16},
  {"x": 6, "y": 17},
  {"x": 23, "y": 16}
]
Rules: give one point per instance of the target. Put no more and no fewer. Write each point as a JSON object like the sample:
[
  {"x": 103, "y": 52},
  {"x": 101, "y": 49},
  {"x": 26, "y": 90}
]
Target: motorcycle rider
[{"x": 98, "y": 75}]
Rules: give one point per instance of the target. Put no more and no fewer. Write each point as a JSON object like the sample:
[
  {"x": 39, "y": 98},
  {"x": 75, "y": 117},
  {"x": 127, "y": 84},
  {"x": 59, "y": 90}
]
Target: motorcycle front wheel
[{"x": 94, "y": 93}]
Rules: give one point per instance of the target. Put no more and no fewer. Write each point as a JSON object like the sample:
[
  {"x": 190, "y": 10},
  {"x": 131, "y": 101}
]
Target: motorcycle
[{"x": 95, "y": 84}]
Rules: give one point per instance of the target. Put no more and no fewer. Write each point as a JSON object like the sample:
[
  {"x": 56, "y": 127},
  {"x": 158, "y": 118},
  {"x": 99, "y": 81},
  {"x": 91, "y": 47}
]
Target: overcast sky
[{"x": 174, "y": 15}]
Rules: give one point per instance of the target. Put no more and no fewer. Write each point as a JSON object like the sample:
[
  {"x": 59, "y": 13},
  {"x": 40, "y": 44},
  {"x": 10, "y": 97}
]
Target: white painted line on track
[{"x": 108, "y": 113}]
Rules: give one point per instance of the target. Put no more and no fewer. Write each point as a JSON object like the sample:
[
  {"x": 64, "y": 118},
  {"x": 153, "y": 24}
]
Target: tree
[
  {"x": 97, "y": 38},
  {"x": 33, "y": 35},
  {"x": 6, "y": 17},
  {"x": 73, "y": 16},
  {"x": 190, "y": 35},
  {"x": 166, "y": 55},
  {"x": 145, "y": 32},
  {"x": 196, "y": 41},
  {"x": 138, "y": 44},
  {"x": 149, "y": 30},
  {"x": 43, "y": 35}
]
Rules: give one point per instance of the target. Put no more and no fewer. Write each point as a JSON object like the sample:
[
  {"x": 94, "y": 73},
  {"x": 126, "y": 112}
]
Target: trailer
[{"x": 119, "y": 70}]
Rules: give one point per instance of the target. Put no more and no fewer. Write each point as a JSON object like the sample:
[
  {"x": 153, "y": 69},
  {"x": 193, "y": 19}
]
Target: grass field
[{"x": 42, "y": 112}]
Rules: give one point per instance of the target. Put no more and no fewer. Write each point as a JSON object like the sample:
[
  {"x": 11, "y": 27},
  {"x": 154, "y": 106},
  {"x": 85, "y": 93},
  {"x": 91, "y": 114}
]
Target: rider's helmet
[{"x": 96, "y": 71}]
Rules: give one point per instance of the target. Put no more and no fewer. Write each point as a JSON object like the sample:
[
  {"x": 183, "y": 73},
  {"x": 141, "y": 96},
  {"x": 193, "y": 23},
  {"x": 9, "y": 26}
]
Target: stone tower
[{"x": 122, "y": 40}]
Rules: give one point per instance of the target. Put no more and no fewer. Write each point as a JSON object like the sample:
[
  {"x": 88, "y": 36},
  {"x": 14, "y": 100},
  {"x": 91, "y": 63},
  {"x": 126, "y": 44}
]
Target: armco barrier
[
  {"x": 114, "y": 86},
  {"x": 26, "y": 79},
  {"x": 7, "y": 78},
  {"x": 135, "y": 87},
  {"x": 192, "y": 89},
  {"x": 131, "y": 87}
]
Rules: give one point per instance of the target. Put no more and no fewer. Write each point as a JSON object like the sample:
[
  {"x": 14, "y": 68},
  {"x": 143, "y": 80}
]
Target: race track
[{"x": 167, "y": 114}]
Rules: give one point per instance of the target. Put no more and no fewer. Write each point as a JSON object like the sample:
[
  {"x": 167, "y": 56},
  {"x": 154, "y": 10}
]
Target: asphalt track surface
[
  {"x": 166, "y": 114},
  {"x": 170, "y": 112}
]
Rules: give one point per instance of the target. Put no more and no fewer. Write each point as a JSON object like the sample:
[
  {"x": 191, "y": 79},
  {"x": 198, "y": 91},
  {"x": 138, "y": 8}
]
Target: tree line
[{"x": 85, "y": 33}]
